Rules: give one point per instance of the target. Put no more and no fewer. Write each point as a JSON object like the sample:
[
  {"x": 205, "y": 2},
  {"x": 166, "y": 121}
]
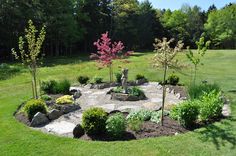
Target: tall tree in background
[
  {"x": 29, "y": 51},
  {"x": 221, "y": 27}
]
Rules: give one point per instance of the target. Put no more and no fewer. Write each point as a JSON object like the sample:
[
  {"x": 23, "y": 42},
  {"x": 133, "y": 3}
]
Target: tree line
[{"x": 73, "y": 26}]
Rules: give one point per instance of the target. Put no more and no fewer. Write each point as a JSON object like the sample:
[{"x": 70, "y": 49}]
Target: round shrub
[
  {"x": 188, "y": 113},
  {"x": 34, "y": 106},
  {"x": 83, "y": 79},
  {"x": 136, "y": 91},
  {"x": 116, "y": 125},
  {"x": 97, "y": 80},
  {"x": 49, "y": 87},
  {"x": 94, "y": 121},
  {"x": 63, "y": 87},
  {"x": 66, "y": 99},
  {"x": 139, "y": 77},
  {"x": 118, "y": 77},
  {"x": 173, "y": 79}
]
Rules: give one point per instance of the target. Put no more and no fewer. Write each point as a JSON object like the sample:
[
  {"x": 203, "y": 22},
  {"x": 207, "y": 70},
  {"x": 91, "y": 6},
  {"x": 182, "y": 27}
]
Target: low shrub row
[
  {"x": 95, "y": 121},
  {"x": 206, "y": 108},
  {"x": 55, "y": 87}
]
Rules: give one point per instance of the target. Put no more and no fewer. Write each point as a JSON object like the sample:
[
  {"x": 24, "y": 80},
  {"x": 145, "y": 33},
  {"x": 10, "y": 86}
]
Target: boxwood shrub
[
  {"x": 94, "y": 121},
  {"x": 34, "y": 106}
]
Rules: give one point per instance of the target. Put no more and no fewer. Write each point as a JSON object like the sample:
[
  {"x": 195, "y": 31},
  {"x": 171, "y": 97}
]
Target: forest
[{"x": 72, "y": 26}]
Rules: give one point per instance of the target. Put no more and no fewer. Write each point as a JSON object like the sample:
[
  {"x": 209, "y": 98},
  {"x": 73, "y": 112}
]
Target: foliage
[
  {"x": 220, "y": 27},
  {"x": 143, "y": 115},
  {"x": 135, "y": 124},
  {"x": 117, "y": 90},
  {"x": 140, "y": 77},
  {"x": 107, "y": 52},
  {"x": 83, "y": 79},
  {"x": 211, "y": 106},
  {"x": 173, "y": 79},
  {"x": 156, "y": 116},
  {"x": 30, "y": 55},
  {"x": 136, "y": 91},
  {"x": 7, "y": 71},
  {"x": 64, "y": 100},
  {"x": 46, "y": 97},
  {"x": 63, "y": 87},
  {"x": 116, "y": 125},
  {"x": 186, "y": 113},
  {"x": 118, "y": 77},
  {"x": 34, "y": 106},
  {"x": 196, "y": 59},
  {"x": 94, "y": 121},
  {"x": 196, "y": 91},
  {"x": 164, "y": 57},
  {"x": 55, "y": 87},
  {"x": 97, "y": 80}
]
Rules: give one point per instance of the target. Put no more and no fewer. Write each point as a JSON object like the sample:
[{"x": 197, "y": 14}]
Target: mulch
[{"x": 148, "y": 130}]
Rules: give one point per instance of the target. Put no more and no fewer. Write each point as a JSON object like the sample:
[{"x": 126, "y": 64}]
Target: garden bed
[{"x": 148, "y": 130}]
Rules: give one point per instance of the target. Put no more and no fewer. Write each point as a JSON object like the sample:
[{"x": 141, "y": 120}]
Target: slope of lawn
[{"x": 216, "y": 139}]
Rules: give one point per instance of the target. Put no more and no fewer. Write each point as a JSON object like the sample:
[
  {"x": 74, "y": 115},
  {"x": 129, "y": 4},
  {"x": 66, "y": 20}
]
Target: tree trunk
[
  {"x": 195, "y": 75},
  {"x": 163, "y": 95}
]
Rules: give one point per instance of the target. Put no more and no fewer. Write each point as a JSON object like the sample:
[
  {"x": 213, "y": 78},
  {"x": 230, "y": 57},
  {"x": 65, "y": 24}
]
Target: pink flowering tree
[{"x": 108, "y": 51}]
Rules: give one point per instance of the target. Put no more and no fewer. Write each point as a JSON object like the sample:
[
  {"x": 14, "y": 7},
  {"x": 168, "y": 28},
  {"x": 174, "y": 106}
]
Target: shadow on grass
[{"x": 220, "y": 134}]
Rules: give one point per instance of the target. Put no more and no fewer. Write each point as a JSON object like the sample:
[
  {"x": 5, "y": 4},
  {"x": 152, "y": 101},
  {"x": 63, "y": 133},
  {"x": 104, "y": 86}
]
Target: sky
[{"x": 176, "y": 4}]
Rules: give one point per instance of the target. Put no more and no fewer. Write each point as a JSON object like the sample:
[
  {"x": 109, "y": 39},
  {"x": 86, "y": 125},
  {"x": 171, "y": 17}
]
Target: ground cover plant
[{"x": 215, "y": 139}]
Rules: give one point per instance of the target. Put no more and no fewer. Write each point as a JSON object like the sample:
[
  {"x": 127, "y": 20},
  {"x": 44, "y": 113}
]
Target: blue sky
[{"x": 176, "y": 4}]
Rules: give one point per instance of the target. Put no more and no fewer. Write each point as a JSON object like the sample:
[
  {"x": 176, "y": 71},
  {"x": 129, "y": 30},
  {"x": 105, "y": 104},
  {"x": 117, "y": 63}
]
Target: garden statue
[{"x": 124, "y": 79}]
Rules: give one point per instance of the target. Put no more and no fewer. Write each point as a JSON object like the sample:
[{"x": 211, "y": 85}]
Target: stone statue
[{"x": 124, "y": 79}]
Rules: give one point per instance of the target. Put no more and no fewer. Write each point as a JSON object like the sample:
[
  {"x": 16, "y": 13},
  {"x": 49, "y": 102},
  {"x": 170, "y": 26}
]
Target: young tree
[
  {"x": 108, "y": 51},
  {"x": 196, "y": 59},
  {"x": 29, "y": 51},
  {"x": 164, "y": 58}
]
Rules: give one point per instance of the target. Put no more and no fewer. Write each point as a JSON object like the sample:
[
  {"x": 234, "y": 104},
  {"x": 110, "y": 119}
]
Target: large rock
[
  {"x": 39, "y": 119},
  {"x": 70, "y": 108},
  {"x": 78, "y": 131},
  {"x": 152, "y": 106},
  {"x": 54, "y": 114},
  {"x": 77, "y": 95}
]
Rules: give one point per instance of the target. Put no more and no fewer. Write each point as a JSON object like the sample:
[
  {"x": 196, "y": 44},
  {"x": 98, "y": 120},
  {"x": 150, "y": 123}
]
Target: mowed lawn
[{"x": 216, "y": 139}]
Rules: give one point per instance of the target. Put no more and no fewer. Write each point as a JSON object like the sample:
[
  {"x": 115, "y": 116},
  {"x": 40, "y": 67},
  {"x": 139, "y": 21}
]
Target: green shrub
[
  {"x": 156, "y": 117},
  {"x": 63, "y": 87},
  {"x": 97, "y": 80},
  {"x": 94, "y": 121},
  {"x": 135, "y": 124},
  {"x": 135, "y": 91},
  {"x": 66, "y": 99},
  {"x": 118, "y": 77},
  {"x": 54, "y": 87},
  {"x": 174, "y": 112},
  {"x": 196, "y": 91},
  {"x": 46, "y": 97},
  {"x": 116, "y": 125},
  {"x": 49, "y": 87},
  {"x": 186, "y": 113},
  {"x": 173, "y": 79},
  {"x": 83, "y": 79},
  {"x": 211, "y": 106},
  {"x": 34, "y": 106},
  {"x": 139, "y": 77},
  {"x": 143, "y": 115},
  {"x": 117, "y": 90}
]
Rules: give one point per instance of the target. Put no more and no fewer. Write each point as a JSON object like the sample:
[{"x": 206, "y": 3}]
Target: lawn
[{"x": 216, "y": 139}]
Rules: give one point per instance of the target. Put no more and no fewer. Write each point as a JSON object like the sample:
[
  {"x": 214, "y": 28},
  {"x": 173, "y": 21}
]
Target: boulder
[
  {"x": 77, "y": 94},
  {"x": 54, "y": 114},
  {"x": 152, "y": 106},
  {"x": 39, "y": 119},
  {"x": 78, "y": 131},
  {"x": 69, "y": 108}
]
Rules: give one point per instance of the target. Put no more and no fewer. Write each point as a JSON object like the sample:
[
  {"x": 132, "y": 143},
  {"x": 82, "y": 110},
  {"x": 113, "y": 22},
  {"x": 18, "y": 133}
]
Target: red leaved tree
[{"x": 107, "y": 52}]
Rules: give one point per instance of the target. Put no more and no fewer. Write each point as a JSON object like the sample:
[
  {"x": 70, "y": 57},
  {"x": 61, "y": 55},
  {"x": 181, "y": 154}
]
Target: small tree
[
  {"x": 164, "y": 58},
  {"x": 29, "y": 51},
  {"x": 108, "y": 51},
  {"x": 196, "y": 59}
]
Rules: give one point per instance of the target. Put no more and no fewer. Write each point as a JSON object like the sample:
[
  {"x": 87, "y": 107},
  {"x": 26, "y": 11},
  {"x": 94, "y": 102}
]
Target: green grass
[{"x": 215, "y": 139}]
